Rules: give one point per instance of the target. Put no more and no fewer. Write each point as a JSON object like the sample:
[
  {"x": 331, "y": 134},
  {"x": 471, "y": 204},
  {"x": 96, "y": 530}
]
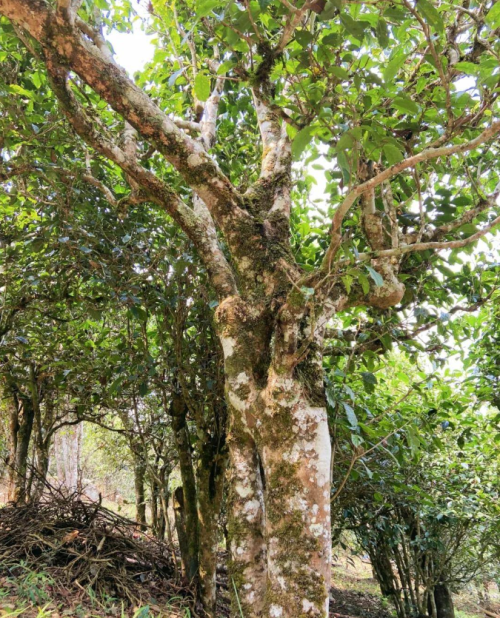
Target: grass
[
  {"x": 29, "y": 594},
  {"x": 460, "y": 614}
]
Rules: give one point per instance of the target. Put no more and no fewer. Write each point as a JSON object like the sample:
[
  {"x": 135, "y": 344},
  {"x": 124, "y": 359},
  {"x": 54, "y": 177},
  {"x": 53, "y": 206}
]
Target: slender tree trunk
[
  {"x": 443, "y": 601},
  {"x": 139, "y": 486},
  {"x": 67, "y": 446},
  {"x": 384, "y": 574},
  {"x": 21, "y": 427},
  {"x": 182, "y": 535},
  {"x": 210, "y": 483},
  {"x": 178, "y": 412},
  {"x": 43, "y": 441},
  {"x": 42, "y": 468},
  {"x": 164, "y": 500},
  {"x": 155, "y": 512}
]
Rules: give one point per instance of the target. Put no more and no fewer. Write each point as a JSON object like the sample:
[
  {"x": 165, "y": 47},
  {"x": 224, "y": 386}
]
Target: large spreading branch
[
  {"x": 94, "y": 66},
  {"x": 439, "y": 232},
  {"x": 154, "y": 188},
  {"x": 426, "y": 155}
]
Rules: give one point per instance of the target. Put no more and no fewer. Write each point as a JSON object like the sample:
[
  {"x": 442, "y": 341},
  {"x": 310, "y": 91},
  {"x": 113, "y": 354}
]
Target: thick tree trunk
[
  {"x": 21, "y": 426},
  {"x": 248, "y": 558},
  {"x": 296, "y": 459},
  {"x": 444, "y": 601},
  {"x": 279, "y": 525},
  {"x": 140, "y": 493}
]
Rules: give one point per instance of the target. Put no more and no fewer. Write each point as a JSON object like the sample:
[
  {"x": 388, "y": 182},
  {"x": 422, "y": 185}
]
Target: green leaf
[
  {"x": 365, "y": 284},
  {"x": 351, "y": 415},
  {"x": 204, "y": 7},
  {"x": 392, "y": 153},
  {"x": 395, "y": 63},
  {"x": 406, "y": 105},
  {"x": 330, "y": 397},
  {"x": 225, "y": 67},
  {"x": 356, "y": 28},
  {"x": 347, "y": 281},
  {"x": 369, "y": 377},
  {"x": 469, "y": 68},
  {"x": 345, "y": 142},
  {"x": 377, "y": 277},
  {"x": 303, "y": 37},
  {"x": 413, "y": 440},
  {"x": 20, "y": 90},
  {"x": 36, "y": 78},
  {"x": 493, "y": 16},
  {"x": 301, "y": 140},
  {"x": 202, "y": 86},
  {"x": 382, "y": 31},
  {"x": 339, "y": 72},
  {"x": 431, "y": 14}
]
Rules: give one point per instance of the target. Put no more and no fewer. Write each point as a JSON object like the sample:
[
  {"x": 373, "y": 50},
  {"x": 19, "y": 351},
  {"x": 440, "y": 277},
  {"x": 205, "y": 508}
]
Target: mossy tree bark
[
  {"x": 443, "y": 601},
  {"x": 21, "y": 426},
  {"x": 188, "y": 504},
  {"x": 140, "y": 489},
  {"x": 21, "y": 407},
  {"x": 210, "y": 483},
  {"x": 279, "y": 442}
]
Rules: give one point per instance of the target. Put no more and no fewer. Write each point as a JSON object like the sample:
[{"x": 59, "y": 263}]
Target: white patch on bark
[
  {"x": 237, "y": 402},
  {"x": 275, "y": 611},
  {"x": 228, "y": 346},
  {"x": 194, "y": 160},
  {"x": 316, "y": 529},
  {"x": 240, "y": 380},
  {"x": 243, "y": 491},
  {"x": 307, "y": 605},
  {"x": 322, "y": 448},
  {"x": 252, "y": 508}
]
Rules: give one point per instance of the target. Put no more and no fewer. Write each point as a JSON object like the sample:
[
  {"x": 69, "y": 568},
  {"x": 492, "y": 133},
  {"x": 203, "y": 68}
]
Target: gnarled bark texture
[{"x": 280, "y": 468}]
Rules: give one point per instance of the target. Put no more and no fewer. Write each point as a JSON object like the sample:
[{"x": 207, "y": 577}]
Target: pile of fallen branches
[{"x": 82, "y": 545}]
